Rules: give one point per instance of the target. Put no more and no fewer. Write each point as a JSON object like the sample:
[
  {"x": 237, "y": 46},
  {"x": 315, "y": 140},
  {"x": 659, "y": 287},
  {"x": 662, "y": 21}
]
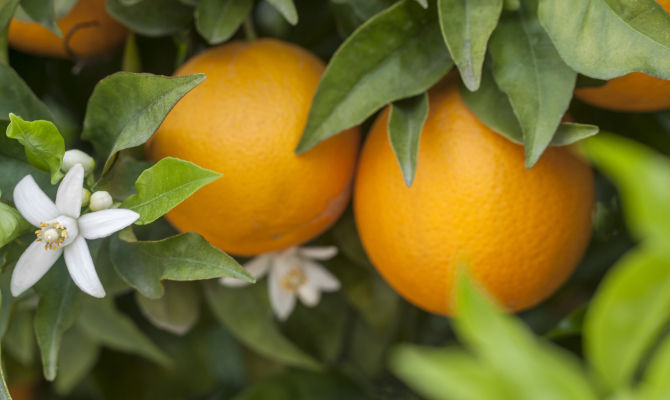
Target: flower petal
[
  {"x": 318, "y": 252},
  {"x": 257, "y": 267},
  {"x": 32, "y": 203},
  {"x": 68, "y": 197},
  {"x": 103, "y": 223},
  {"x": 31, "y": 267},
  {"x": 80, "y": 265},
  {"x": 309, "y": 294},
  {"x": 320, "y": 277},
  {"x": 281, "y": 300}
]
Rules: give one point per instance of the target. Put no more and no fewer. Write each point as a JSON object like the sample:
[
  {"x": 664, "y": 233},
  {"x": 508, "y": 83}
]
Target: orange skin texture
[
  {"x": 92, "y": 32},
  {"x": 637, "y": 91},
  {"x": 245, "y": 121},
  {"x": 521, "y": 232}
]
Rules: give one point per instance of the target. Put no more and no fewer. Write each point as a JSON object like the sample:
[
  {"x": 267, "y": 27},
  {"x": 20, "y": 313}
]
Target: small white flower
[
  {"x": 293, "y": 273},
  {"x": 100, "y": 200},
  {"x": 74, "y": 157},
  {"x": 62, "y": 231}
]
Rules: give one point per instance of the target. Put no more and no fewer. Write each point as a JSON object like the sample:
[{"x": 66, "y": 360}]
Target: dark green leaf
[
  {"x": 247, "y": 314},
  {"x": 570, "y": 325},
  {"x": 350, "y": 14},
  {"x": 19, "y": 340},
  {"x": 303, "y": 385},
  {"x": 17, "y": 98},
  {"x": 120, "y": 179},
  {"x": 628, "y": 312},
  {"x": 529, "y": 70},
  {"x": 184, "y": 257},
  {"x": 217, "y": 20},
  {"x": 125, "y": 109},
  {"x": 12, "y": 224},
  {"x": 79, "y": 354},
  {"x": 7, "y": 9},
  {"x": 608, "y": 38},
  {"x": 363, "y": 75},
  {"x": 466, "y": 27},
  {"x": 44, "y": 146},
  {"x": 404, "y": 125},
  {"x": 57, "y": 310},
  {"x": 166, "y": 184},
  {"x": 655, "y": 383},
  {"x": 177, "y": 311},
  {"x": 152, "y": 18},
  {"x": 43, "y": 12},
  {"x": 104, "y": 324},
  {"x": 287, "y": 9}
]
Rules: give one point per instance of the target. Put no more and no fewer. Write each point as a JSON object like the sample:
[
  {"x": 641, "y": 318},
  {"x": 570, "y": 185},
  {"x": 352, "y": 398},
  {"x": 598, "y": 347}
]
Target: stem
[{"x": 249, "y": 30}]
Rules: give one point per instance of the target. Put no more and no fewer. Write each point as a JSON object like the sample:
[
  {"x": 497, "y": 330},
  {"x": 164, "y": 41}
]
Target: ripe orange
[
  {"x": 521, "y": 232},
  {"x": 245, "y": 121},
  {"x": 87, "y": 31},
  {"x": 633, "y": 92}
]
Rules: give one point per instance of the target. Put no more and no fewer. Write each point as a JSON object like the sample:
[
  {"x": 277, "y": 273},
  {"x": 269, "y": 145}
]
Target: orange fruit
[
  {"x": 245, "y": 121},
  {"x": 632, "y": 92},
  {"x": 520, "y": 231},
  {"x": 87, "y": 31},
  {"x": 21, "y": 391}
]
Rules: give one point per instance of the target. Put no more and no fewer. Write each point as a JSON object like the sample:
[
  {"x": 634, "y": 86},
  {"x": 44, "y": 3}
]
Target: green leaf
[
  {"x": 59, "y": 306},
  {"x": 493, "y": 108},
  {"x": 655, "y": 384},
  {"x": 350, "y": 14},
  {"x": 404, "y": 125},
  {"x": 218, "y": 20},
  {"x": 177, "y": 311},
  {"x": 539, "y": 88},
  {"x": 7, "y": 10},
  {"x": 363, "y": 75},
  {"x": 43, "y": 12},
  {"x": 448, "y": 373},
  {"x": 17, "y": 97},
  {"x": 4, "y": 391},
  {"x": 627, "y": 313},
  {"x": 163, "y": 186},
  {"x": 571, "y": 325},
  {"x": 512, "y": 5},
  {"x": 642, "y": 177},
  {"x": 79, "y": 353},
  {"x": 104, "y": 324},
  {"x": 466, "y": 27},
  {"x": 183, "y": 257},
  {"x": 132, "y": 61},
  {"x": 44, "y": 145},
  {"x": 12, "y": 224},
  {"x": 19, "y": 340},
  {"x": 303, "y": 385},
  {"x": 534, "y": 368},
  {"x": 423, "y": 3},
  {"x": 287, "y": 9},
  {"x": 247, "y": 314},
  {"x": 608, "y": 38},
  {"x": 125, "y": 109},
  {"x": 152, "y": 18},
  {"x": 120, "y": 180}
]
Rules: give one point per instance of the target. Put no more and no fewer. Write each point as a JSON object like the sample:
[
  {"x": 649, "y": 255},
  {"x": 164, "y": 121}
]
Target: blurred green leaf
[
  {"x": 218, "y": 20},
  {"x": 125, "y": 109},
  {"x": 78, "y": 356},
  {"x": 103, "y": 323},
  {"x": 152, "y": 18},
  {"x": 350, "y": 14},
  {"x": 12, "y": 224},
  {"x": 405, "y": 122},
  {"x": 448, "y": 373},
  {"x": 163, "y": 186},
  {"x": 132, "y": 61},
  {"x": 608, "y": 38},
  {"x": 44, "y": 146},
  {"x": 363, "y": 75},
  {"x": 627, "y": 313},
  {"x": 7, "y": 10},
  {"x": 19, "y": 340},
  {"x": 59, "y": 306},
  {"x": 43, "y": 12},
  {"x": 570, "y": 325},
  {"x": 655, "y": 384},
  {"x": 4, "y": 391},
  {"x": 512, "y": 5},
  {"x": 17, "y": 98},
  {"x": 532, "y": 367},
  {"x": 247, "y": 314},
  {"x": 176, "y": 312},
  {"x": 642, "y": 177},
  {"x": 303, "y": 385},
  {"x": 529, "y": 70},
  {"x": 183, "y": 257},
  {"x": 287, "y": 9},
  {"x": 466, "y": 27}
]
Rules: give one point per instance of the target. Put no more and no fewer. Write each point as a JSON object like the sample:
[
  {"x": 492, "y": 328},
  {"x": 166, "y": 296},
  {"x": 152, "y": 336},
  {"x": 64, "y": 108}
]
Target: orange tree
[{"x": 334, "y": 199}]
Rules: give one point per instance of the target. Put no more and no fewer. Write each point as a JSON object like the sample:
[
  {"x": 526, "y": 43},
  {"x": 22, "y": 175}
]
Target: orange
[
  {"x": 21, "y": 391},
  {"x": 520, "y": 231},
  {"x": 245, "y": 121},
  {"x": 633, "y": 92},
  {"x": 87, "y": 31}
]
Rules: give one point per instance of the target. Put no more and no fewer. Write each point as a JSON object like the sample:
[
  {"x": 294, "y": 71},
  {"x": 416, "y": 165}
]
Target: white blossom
[
  {"x": 100, "y": 200},
  {"x": 74, "y": 157},
  {"x": 62, "y": 230},
  {"x": 293, "y": 273}
]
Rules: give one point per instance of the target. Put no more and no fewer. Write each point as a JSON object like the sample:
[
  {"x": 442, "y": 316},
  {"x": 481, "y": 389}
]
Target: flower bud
[
  {"x": 85, "y": 197},
  {"x": 74, "y": 157},
  {"x": 100, "y": 200}
]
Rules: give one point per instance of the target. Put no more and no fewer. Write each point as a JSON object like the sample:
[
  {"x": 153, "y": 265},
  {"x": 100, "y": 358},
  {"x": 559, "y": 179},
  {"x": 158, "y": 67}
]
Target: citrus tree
[{"x": 334, "y": 199}]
